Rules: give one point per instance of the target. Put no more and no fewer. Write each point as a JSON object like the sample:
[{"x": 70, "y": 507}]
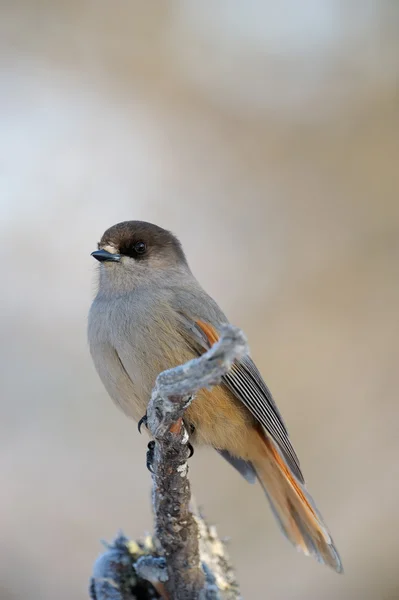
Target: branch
[
  {"x": 180, "y": 567},
  {"x": 175, "y": 526}
]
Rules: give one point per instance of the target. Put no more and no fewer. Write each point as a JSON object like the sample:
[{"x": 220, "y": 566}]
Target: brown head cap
[{"x": 141, "y": 240}]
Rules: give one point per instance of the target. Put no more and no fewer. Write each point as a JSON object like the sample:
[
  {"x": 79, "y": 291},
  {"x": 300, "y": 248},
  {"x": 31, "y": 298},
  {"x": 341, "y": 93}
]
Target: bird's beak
[{"x": 103, "y": 255}]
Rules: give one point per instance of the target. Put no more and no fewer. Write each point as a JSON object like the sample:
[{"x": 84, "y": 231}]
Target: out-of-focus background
[{"x": 266, "y": 136}]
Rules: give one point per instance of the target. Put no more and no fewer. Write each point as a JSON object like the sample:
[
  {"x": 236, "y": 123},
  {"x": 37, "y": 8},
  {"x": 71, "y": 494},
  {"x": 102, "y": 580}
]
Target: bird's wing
[{"x": 246, "y": 383}]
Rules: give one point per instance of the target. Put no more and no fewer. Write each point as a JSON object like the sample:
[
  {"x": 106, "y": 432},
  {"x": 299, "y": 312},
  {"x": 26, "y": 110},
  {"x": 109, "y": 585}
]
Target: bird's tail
[{"x": 293, "y": 506}]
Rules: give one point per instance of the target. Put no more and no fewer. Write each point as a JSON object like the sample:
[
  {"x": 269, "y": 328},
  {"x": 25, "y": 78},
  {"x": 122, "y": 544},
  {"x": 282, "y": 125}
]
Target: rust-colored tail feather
[{"x": 293, "y": 507}]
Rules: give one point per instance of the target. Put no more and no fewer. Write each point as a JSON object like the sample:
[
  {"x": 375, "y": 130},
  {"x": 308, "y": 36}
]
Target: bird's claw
[
  {"x": 188, "y": 401},
  {"x": 150, "y": 456},
  {"x": 190, "y": 449},
  {"x": 143, "y": 421}
]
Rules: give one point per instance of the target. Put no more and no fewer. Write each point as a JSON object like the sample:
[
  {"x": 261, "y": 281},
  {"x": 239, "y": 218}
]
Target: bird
[{"x": 150, "y": 314}]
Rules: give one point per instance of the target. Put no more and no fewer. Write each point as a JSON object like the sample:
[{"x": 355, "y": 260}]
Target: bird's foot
[
  {"x": 190, "y": 449},
  {"x": 191, "y": 430},
  {"x": 143, "y": 421},
  {"x": 150, "y": 456}
]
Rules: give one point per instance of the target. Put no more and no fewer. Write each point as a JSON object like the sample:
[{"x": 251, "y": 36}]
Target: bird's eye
[{"x": 140, "y": 247}]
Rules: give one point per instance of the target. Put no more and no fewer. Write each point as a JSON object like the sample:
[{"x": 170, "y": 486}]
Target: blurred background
[{"x": 266, "y": 136}]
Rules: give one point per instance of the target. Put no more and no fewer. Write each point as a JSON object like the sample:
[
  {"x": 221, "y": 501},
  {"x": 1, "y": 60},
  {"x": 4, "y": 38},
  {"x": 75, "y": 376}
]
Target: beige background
[{"x": 266, "y": 136}]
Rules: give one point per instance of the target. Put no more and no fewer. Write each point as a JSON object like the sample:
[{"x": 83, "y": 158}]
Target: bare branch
[
  {"x": 175, "y": 527},
  {"x": 186, "y": 561}
]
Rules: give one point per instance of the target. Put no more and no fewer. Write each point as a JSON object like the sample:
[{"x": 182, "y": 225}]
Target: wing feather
[{"x": 246, "y": 383}]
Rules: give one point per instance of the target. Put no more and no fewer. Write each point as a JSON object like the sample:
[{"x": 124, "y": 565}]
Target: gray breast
[
  {"x": 134, "y": 336},
  {"x": 113, "y": 342},
  {"x": 132, "y": 339}
]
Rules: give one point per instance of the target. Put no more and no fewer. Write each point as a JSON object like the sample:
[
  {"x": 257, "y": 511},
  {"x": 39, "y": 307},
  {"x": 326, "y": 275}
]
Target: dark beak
[{"x": 103, "y": 255}]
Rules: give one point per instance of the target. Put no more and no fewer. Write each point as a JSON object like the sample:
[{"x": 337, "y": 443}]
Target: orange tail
[{"x": 293, "y": 507}]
